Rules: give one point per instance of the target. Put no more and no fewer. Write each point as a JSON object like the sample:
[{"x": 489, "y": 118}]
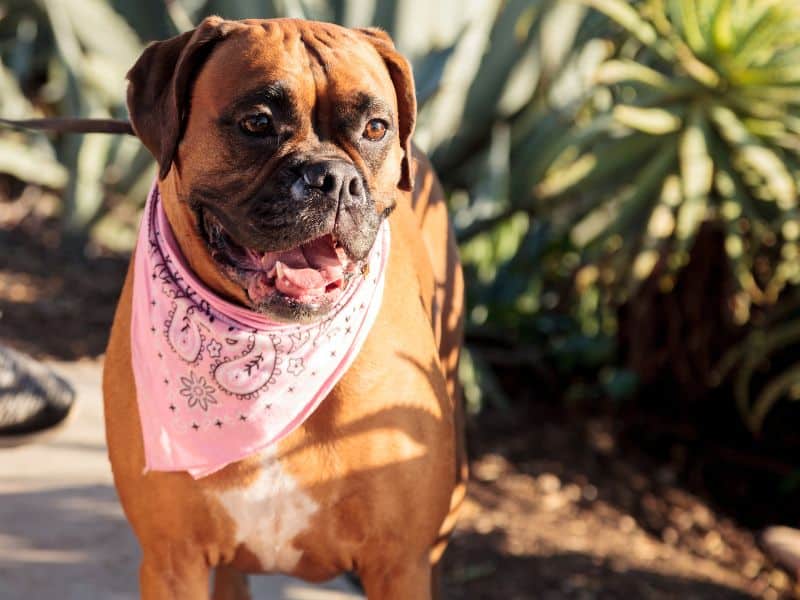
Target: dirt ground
[
  {"x": 558, "y": 507},
  {"x": 560, "y": 511}
]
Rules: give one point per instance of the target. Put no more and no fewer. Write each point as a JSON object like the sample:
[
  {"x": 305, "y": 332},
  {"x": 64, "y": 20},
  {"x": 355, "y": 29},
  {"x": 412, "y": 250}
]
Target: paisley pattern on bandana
[
  {"x": 217, "y": 382},
  {"x": 197, "y": 391}
]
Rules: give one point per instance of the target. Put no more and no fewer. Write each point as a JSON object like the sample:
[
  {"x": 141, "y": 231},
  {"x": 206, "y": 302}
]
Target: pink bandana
[{"x": 217, "y": 382}]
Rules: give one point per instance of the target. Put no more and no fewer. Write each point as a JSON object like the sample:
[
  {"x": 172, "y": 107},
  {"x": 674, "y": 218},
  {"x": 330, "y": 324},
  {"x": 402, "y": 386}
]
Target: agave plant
[
  {"x": 697, "y": 120},
  {"x": 69, "y": 57},
  {"x": 743, "y": 365},
  {"x": 693, "y": 128}
]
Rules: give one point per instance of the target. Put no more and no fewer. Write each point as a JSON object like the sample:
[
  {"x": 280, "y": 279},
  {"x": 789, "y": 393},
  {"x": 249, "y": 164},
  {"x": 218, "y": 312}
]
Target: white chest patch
[{"x": 269, "y": 514}]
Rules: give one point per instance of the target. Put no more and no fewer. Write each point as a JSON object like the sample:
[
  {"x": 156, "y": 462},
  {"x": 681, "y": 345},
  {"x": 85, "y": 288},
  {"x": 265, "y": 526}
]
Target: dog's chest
[{"x": 269, "y": 513}]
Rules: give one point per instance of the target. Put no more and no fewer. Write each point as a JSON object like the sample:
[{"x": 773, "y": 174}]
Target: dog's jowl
[{"x": 280, "y": 383}]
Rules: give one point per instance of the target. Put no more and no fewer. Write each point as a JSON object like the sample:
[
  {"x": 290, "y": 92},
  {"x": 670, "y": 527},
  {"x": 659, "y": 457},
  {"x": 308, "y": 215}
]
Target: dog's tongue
[
  {"x": 299, "y": 283},
  {"x": 306, "y": 271}
]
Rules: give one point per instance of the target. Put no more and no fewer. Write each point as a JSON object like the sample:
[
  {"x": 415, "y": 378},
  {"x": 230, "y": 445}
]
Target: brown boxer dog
[{"x": 246, "y": 120}]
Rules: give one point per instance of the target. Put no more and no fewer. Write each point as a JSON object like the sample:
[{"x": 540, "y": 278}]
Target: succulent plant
[
  {"x": 695, "y": 122},
  {"x": 70, "y": 57},
  {"x": 696, "y": 119}
]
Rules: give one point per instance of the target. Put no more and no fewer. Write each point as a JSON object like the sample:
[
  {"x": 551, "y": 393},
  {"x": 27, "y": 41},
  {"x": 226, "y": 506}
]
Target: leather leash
[{"x": 72, "y": 125}]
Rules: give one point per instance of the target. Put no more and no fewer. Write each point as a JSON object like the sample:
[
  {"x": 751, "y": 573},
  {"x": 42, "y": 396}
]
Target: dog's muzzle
[{"x": 342, "y": 185}]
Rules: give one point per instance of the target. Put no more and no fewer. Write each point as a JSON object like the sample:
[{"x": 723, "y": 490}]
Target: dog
[{"x": 272, "y": 136}]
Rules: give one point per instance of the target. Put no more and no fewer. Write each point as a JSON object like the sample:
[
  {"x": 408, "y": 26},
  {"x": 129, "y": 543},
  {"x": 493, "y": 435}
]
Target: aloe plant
[
  {"x": 741, "y": 365},
  {"x": 694, "y": 121},
  {"x": 697, "y": 120},
  {"x": 70, "y": 57},
  {"x": 26, "y": 156}
]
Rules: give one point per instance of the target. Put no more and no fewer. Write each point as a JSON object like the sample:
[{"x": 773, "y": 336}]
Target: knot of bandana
[{"x": 216, "y": 382}]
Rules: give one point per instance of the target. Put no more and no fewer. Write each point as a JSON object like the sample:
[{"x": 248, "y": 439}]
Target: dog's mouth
[{"x": 300, "y": 282}]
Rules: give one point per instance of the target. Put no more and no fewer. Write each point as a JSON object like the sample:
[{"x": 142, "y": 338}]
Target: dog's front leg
[
  {"x": 163, "y": 576},
  {"x": 230, "y": 584}
]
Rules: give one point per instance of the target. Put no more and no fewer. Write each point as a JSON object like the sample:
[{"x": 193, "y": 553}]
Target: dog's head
[{"x": 281, "y": 146}]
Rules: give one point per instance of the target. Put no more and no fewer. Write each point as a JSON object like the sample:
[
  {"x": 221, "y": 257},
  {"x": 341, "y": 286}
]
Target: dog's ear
[
  {"x": 403, "y": 80},
  {"x": 159, "y": 86}
]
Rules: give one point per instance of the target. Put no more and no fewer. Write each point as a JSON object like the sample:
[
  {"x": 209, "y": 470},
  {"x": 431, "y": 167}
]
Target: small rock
[
  {"x": 516, "y": 548},
  {"x": 578, "y": 528},
  {"x": 713, "y": 542},
  {"x": 681, "y": 519},
  {"x": 778, "y": 580},
  {"x": 670, "y": 536},
  {"x": 489, "y": 469},
  {"x": 702, "y": 516},
  {"x": 553, "y": 502},
  {"x": 751, "y": 569},
  {"x": 627, "y": 524},
  {"x": 572, "y": 492},
  {"x": 589, "y": 493},
  {"x": 484, "y": 525},
  {"x": 600, "y": 439},
  {"x": 548, "y": 483}
]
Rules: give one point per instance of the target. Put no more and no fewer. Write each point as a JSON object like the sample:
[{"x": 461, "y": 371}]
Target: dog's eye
[
  {"x": 257, "y": 124},
  {"x": 375, "y": 130}
]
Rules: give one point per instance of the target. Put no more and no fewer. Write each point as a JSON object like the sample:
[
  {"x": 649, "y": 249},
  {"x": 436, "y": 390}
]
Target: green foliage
[
  {"x": 25, "y": 156},
  {"x": 697, "y": 113},
  {"x": 69, "y": 57},
  {"x": 743, "y": 365},
  {"x": 700, "y": 100}
]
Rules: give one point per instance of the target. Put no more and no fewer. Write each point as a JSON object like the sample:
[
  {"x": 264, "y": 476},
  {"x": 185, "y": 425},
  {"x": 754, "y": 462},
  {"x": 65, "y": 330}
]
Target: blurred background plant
[
  {"x": 622, "y": 175},
  {"x": 699, "y": 106}
]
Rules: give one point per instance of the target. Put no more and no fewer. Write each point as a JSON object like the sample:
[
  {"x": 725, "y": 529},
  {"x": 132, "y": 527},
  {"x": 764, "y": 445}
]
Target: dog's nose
[
  {"x": 336, "y": 178},
  {"x": 344, "y": 199}
]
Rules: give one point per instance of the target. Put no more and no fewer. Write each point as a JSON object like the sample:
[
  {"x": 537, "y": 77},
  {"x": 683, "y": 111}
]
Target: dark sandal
[{"x": 33, "y": 399}]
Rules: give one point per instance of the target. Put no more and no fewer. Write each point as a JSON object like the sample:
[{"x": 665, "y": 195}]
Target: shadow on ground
[
  {"x": 567, "y": 575},
  {"x": 73, "y": 537},
  {"x": 558, "y": 509},
  {"x": 54, "y": 303}
]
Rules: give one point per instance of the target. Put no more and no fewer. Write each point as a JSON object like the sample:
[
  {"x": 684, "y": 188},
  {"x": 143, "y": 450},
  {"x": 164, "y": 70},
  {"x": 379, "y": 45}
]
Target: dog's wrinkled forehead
[{"x": 315, "y": 68}]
